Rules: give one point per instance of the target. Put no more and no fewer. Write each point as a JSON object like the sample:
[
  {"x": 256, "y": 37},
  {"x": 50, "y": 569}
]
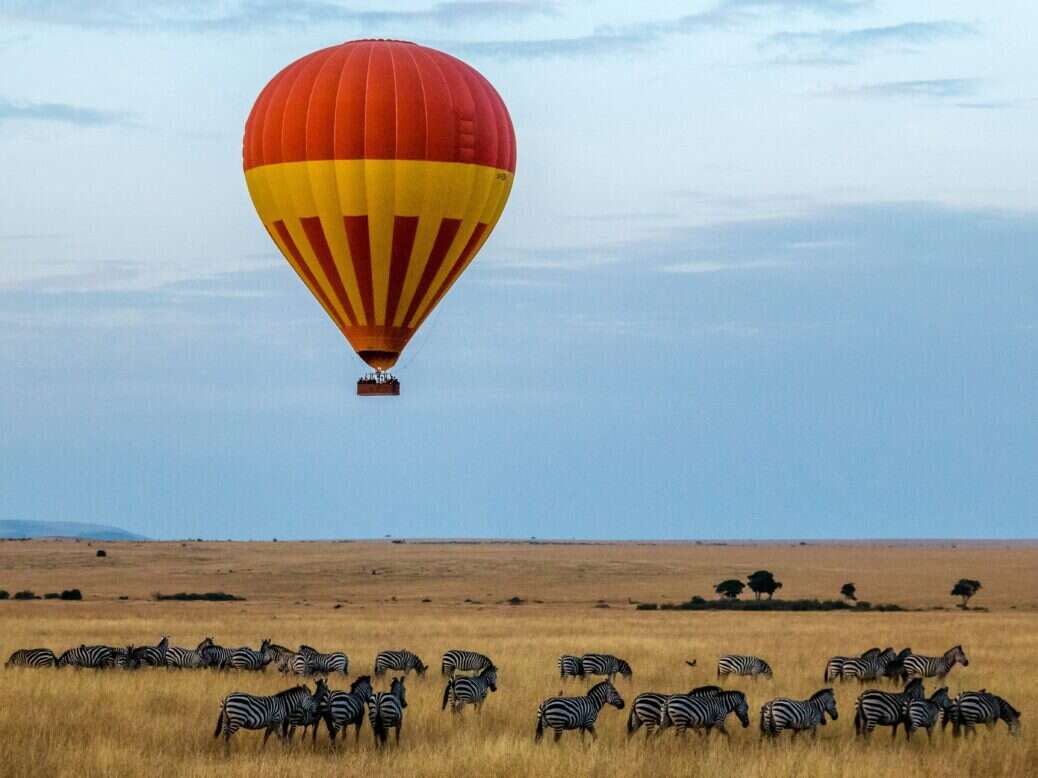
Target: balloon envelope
[{"x": 379, "y": 168}]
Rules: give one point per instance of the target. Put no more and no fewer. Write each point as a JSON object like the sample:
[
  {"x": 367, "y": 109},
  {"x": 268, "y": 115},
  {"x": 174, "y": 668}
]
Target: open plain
[{"x": 361, "y": 597}]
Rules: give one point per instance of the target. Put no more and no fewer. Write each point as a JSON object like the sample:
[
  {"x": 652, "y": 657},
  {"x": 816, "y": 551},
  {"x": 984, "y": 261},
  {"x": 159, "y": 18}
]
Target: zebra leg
[
  {"x": 558, "y": 734},
  {"x": 594, "y": 735},
  {"x": 266, "y": 735},
  {"x": 398, "y": 728}
]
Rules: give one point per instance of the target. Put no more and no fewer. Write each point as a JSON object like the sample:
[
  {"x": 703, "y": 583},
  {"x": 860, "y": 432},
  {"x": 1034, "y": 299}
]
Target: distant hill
[{"x": 19, "y": 529}]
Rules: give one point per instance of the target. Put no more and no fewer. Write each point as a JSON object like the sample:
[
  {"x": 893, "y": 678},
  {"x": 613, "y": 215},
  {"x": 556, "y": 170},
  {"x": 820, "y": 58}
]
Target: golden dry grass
[{"x": 87, "y": 723}]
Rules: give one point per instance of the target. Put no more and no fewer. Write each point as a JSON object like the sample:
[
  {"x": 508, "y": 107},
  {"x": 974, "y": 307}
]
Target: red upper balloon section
[{"x": 379, "y": 99}]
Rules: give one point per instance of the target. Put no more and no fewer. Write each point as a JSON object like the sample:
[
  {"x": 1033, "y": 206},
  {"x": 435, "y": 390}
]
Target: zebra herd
[{"x": 472, "y": 676}]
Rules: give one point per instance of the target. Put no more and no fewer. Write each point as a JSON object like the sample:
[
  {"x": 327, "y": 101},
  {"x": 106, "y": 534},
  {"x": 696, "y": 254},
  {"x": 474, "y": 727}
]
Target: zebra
[
  {"x": 895, "y": 669},
  {"x": 247, "y": 659},
  {"x": 918, "y": 666},
  {"x": 126, "y": 658},
  {"x": 402, "y": 660},
  {"x": 214, "y": 655},
  {"x": 647, "y": 707},
  {"x": 561, "y": 713},
  {"x": 308, "y": 712},
  {"x": 735, "y": 664},
  {"x": 867, "y": 668},
  {"x": 342, "y": 709},
  {"x": 316, "y": 662},
  {"x": 152, "y": 656},
  {"x": 87, "y": 656},
  {"x": 247, "y": 711},
  {"x": 455, "y": 660},
  {"x": 186, "y": 657},
  {"x": 463, "y": 690},
  {"x": 798, "y": 715},
  {"x": 386, "y": 711},
  {"x": 705, "y": 708},
  {"x": 604, "y": 664},
  {"x": 834, "y": 667},
  {"x": 972, "y": 708},
  {"x": 877, "y": 708},
  {"x": 570, "y": 667},
  {"x": 923, "y": 713},
  {"x": 32, "y": 657}
]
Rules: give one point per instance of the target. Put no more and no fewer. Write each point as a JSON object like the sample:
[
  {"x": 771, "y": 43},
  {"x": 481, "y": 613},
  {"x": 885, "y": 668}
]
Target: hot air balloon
[{"x": 379, "y": 168}]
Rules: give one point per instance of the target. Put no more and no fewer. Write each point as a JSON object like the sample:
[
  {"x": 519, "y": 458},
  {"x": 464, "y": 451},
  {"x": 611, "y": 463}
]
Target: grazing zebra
[
  {"x": 561, "y": 713},
  {"x": 345, "y": 708},
  {"x": 32, "y": 657},
  {"x": 972, "y": 708},
  {"x": 922, "y": 714},
  {"x": 247, "y": 659},
  {"x": 704, "y": 708},
  {"x": 248, "y": 711},
  {"x": 316, "y": 662},
  {"x": 867, "y": 668},
  {"x": 455, "y": 660},
  {"x": 87, "y": 656},
  {"x": 735, "y": 664},
  {"x": 570, "y": 667},
  {"x": 886, "y": 709},
  {"x": 604, "y": 664},
  {"x": 798, "y": 715},
  {"x": 918, "y": 666},
  {"x": 386, "y": 711},
  {"x": 186, "y": 657},
  {"x": 463, "y": 690},
  {"x": 152, "y": 656},
  {"x": 401, "y": 660},
  {"x": 308, "y": 712},
  {"x": 834, "y": 667}
]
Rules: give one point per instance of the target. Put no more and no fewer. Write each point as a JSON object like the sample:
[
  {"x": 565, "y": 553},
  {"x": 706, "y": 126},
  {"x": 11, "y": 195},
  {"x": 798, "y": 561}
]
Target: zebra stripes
[
  {"x": 309, "y": 661},
  {"x": 125, "y": 658},
  {"x": 461, "y": 690},
  {"x": 32, "y": 657},
  {"x": 834, "y": 667},
  {"x": 645, "y": 711},
  {"x": 972, "y": 708},
  {"x": 247, "y": 711},
  {"x": 247, "y": 659},
  {"x": 152, "y": 656},
  {"x": 562, "y": 713},
  {"x": 704, "y": 708},
  {"x": 798, "y": 715},
  {"x": 737, "y": 664},
  {"x": 345, "y": 708},
  {"x": 604, "y": 664},
  {"x": 923, "y": 714},
  {"x": 187, "y": 658},
  {"x": 870, "y": 667},
  {"x": 570, "y": 667},
  {"x": 386, "y": 711},
  {"x": 456, "y": 659},
  {"x": 402, "y": 661},
  {"x": 87, "y": 656},
  {"x": 877, "y": 708},
  {"x": 918, "y": 666},
  {"x": 308, "y": 712}
]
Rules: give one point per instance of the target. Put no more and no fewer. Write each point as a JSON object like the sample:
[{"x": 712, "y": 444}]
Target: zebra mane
[
  {"x": 821, "y": 693},
  {"x": 294, "y": 690},
  {"x": 874, "y": 651},
  {"x": 902, "y": 654},
  {"x": 362, "y": 679},
  {"x": 706, "y": 690},
  {"x": 599, "y": 687}
]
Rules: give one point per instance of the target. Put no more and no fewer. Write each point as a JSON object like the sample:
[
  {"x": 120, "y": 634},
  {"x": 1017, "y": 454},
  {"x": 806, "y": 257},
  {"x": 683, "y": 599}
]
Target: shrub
[
  {"x": 25, "y": 594},
  {"x": 194, "y": 596},
  {"x": 763, "y": 582},
  {"x": 4, "y": 594},
  {"x": 730, "y": 589},
  {"x": 71, "y": 594},
  {"x": 101, "y": 552},
  {"x": 51, "y": 596},
  {"x": 646, "y": 606}
]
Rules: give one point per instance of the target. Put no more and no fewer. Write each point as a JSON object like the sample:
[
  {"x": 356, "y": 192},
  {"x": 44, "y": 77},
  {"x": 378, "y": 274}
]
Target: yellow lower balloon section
[{"x": 379, "y": 276}]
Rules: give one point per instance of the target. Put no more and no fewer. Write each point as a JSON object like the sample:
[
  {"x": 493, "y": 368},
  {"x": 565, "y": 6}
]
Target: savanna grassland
[{"x": 159, "y": 722}]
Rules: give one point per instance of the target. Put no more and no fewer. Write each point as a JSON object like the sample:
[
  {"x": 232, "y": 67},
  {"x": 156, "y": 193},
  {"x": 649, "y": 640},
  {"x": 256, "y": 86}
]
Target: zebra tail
[
  {"x": 665, "y": 716},
  {"x": 631, "y": 719},
  {"x": 447, "y": 693},
  {"x": 763, "y": 720},
  {"x": 859, "y": 718},
  {"x": 540, "y": 724},
  {"x": 219, "y": 719}
]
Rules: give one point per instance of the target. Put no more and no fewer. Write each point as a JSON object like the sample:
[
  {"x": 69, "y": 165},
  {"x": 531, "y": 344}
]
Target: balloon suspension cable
[{"x": 379, "y": 383}]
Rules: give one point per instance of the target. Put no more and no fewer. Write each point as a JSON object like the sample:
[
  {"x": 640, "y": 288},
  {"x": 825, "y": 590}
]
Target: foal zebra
[
  {"x": 570, "y": 667},
  {"x": 152, "y": 656},
  {"x": 247, "y": 711},
  {"x": 463, "y": 690},
  {"x": 918, "y": 666},
  {"x": 562, "y": 713},
  {"x": 886, "y": 709},
  {"x": 386, "y": 711},
  {"x": 834, "y": 667},
  {"x": 345, "y": 708},
  {"x": 604, "y": 664},
  {"x": 248, "y": 659},
  {"x": 87, "y": 656},
  {"x": 705, "y": 708},
  {"x": 736, "y": 664},
  {"x": 32, "y": 657},
  {"x": 868, "y": 667},
  {"x": 922, "y": 714},
  {"x": 187, "y": 658},
  {"x": 972, "y": 708},
  {"x": 797, "y": 715},
  {"x": 401, "y": 660},
  {"x": 455, "y": 660}
]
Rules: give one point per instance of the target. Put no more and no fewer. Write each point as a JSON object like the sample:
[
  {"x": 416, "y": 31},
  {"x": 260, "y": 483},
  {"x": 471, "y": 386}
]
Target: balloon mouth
[{"x": 380, "y": 360}]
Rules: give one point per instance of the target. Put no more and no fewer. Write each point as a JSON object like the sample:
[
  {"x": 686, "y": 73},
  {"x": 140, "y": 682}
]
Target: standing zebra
[
  {"x": 247, "y": 659},
  {"x": 247, "y": 711},
  {"x": 895, "y": 669},
  {"x": 152, "y": 656},
  {"x": 32, "y": 657},
  {"x": 345, "y": 708},
  {"x": 214, "y": 655},
  {"x": 798, "y": 715},
  {"x": 126, "y": 658},
  {"x": 886, "y": 709},
  {"x": 308, "y": 712},
  {"x": 736, "y": 664},
  {"x": 87, "y": 656},
  {"x": 604, "y": 664},
  {"x": 570, "y": 667},
  {"x": 463, "y": 690},
  {"x": 972, "y": 708},
  {"x": 868, "y": 668},
  {"x": 648, "y": 707},
  {"x": 316, "y": 662},
  {"x": 834, "y": 667},
  {"x": 918, "y": 666},
  {"x": 386, "y": 711},
  {"x": 706, "y": 708},
  {"x": 401, "y": 660},
  {"x": 455, "y": 660},
  {"x": 186, "y": 657},
  {"x": 561, "y": 713},
  {"x": 922, "y": 714}
]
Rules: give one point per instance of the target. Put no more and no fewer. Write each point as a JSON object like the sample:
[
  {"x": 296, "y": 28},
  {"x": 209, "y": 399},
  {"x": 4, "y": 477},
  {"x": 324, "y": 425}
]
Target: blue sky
[{"x": 769, "y": 269}]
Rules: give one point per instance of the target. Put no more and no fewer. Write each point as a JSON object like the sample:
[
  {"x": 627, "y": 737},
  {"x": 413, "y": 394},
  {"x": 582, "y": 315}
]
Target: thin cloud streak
[
  {"x": 844, "y": 47},
  {"x": 62, "y": 113},
  {"x": 940, "y": 88}
]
